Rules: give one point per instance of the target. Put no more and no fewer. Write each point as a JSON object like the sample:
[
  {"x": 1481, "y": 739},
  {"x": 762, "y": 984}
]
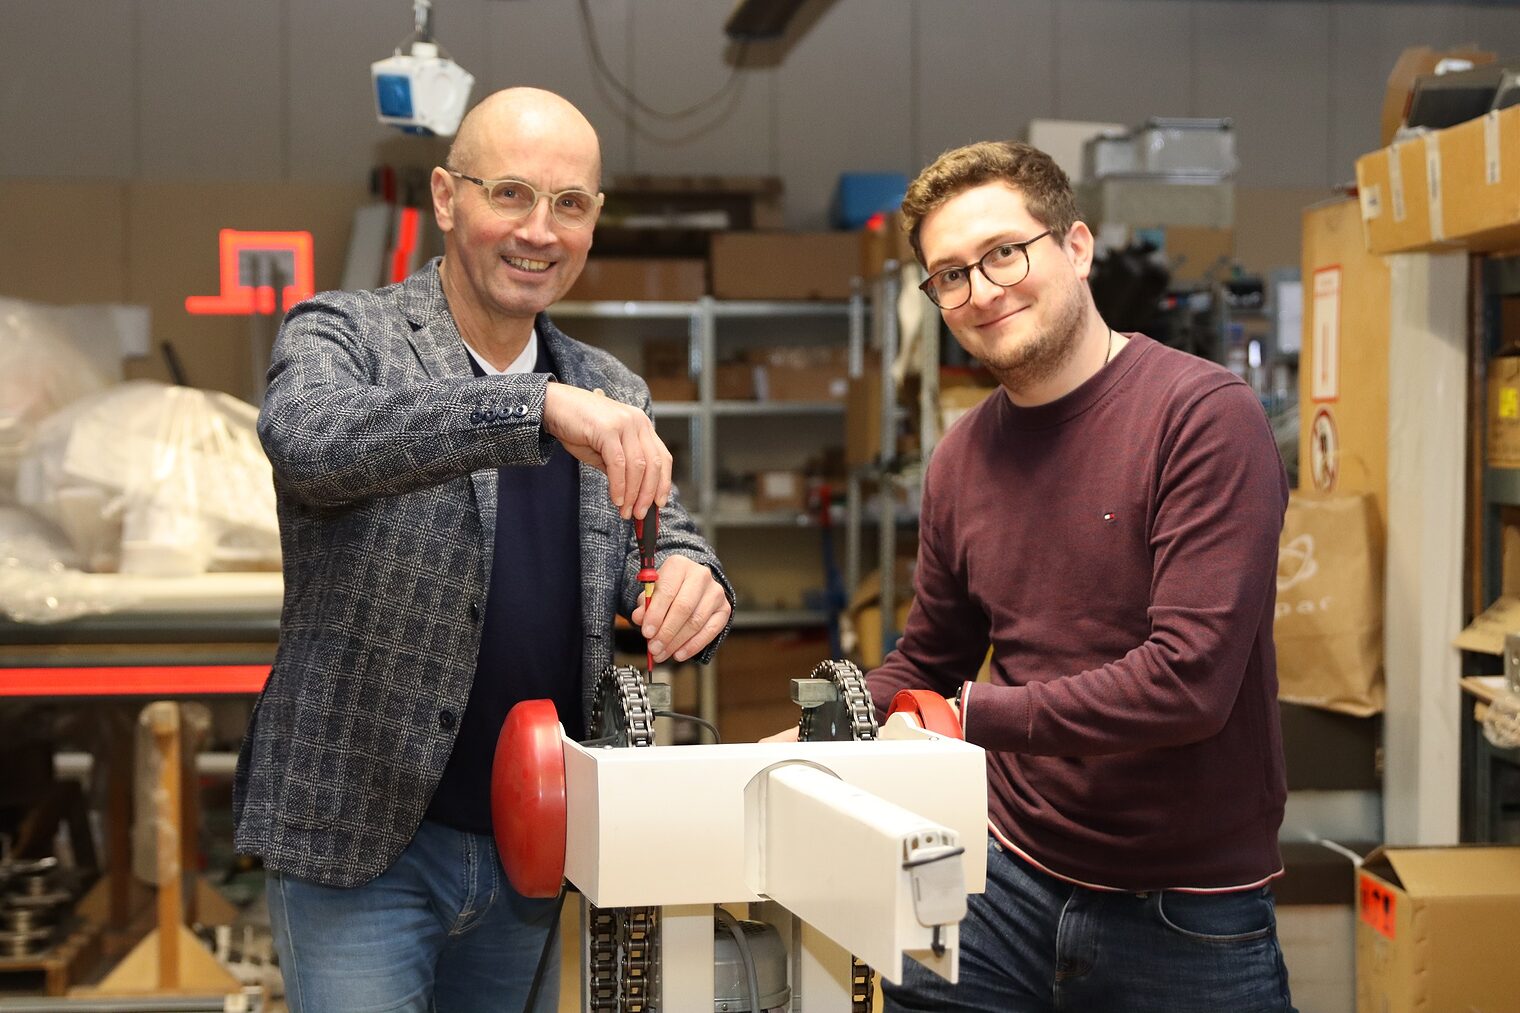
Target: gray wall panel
[
  {"x": 68, "y": 89},
  {"x": 1267, "y": 68},
  {"x": 279, "y": 89},
  {"x": 212, "y": 69},
  {"x": 1365, "y": 40},
  {"x": 1123, "y": 60},
  {"x": 542, "y": 43},
  {"x": 977, "y": 85},
  {"x": 842, "y": 103},
  {"x": 679, "y": 60}
]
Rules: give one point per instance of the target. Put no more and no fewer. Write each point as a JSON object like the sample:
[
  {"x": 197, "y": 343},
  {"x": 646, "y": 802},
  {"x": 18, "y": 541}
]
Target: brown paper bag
[{"x": 1329, "y": 619}]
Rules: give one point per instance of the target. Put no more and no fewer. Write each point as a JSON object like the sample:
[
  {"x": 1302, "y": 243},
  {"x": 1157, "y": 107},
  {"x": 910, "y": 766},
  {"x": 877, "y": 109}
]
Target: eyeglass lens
[
  {"x": 572, "y": 208},
  {"x": 1004, "y": 265}
]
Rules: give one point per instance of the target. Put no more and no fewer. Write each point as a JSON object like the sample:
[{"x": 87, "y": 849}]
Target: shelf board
[
  {"x": 677, "y": 409},
  {"x": 629, "y": 308},
  {"x": 753, "y": 619},
  {"x": 768, "y": 519},
  {"x": 779, "y": 308},
  {"x": 739, "y": 408}
]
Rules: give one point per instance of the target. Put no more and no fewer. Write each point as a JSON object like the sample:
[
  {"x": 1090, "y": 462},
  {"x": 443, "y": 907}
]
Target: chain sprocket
[
  {"x": 851, "y": 716},
  {"x": 620, "y": 711},
  {"x": 624, "y": 943}
]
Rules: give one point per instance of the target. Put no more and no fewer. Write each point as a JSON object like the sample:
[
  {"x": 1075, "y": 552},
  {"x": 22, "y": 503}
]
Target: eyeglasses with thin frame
[
  {"x": 1005, "y": 265},
  {"x": 514, "y": 199}
]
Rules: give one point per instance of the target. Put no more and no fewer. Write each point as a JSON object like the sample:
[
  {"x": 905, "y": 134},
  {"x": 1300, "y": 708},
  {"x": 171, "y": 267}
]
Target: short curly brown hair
[{"x": 1034, "y": 174}]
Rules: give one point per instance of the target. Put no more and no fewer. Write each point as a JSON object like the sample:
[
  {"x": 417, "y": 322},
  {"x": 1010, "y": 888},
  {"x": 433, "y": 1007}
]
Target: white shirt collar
[{"x": 524, "y": 363}]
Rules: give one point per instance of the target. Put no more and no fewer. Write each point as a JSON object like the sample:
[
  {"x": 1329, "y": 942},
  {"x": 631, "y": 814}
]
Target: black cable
[
  {"x": 599, "y": 62},
  {"x": 712, "y": 729},
  {"x": 543, "y": 955}
]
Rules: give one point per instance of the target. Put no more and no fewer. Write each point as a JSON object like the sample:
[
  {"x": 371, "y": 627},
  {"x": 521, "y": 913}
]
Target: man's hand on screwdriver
[
  {"x": 688, "y": 610},
  {"x": 616, "y": 439}
]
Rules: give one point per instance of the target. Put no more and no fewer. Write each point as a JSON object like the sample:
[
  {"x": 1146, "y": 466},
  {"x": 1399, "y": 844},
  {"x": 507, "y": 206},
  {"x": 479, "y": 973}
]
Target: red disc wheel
[
  {"x": 930, "y": 709},
  {"x": 528, "y": 798}
]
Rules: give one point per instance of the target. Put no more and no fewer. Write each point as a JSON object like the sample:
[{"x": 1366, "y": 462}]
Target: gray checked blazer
[{"x": 385, "y": 449}]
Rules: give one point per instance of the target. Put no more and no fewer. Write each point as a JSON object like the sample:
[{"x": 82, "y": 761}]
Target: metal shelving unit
[
  {"x": 705, "y": 318},
  {"x": 889, "y": 472}
]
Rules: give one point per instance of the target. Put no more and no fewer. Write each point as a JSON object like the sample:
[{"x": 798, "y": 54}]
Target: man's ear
[
  {"x": 1079, "y": 245},
  {"x": 442, "y": 185}
]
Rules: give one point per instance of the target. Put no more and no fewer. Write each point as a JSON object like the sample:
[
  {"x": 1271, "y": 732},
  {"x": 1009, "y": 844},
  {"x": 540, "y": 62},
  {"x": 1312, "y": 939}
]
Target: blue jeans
[
  {"x": 1036, "y": 944},
  {"x": 440, "y": 931}
]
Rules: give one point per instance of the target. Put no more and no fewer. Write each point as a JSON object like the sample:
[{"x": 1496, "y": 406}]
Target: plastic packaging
[
  {"x": 145, "y": 478},
  {"x": 45, "y": 365}
]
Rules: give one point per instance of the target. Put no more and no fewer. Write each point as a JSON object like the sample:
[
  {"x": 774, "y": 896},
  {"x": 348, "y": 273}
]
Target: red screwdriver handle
[{"x": 647, "y": 531}]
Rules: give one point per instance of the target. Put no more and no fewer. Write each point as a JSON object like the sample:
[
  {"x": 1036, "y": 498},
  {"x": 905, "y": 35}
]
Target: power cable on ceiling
[{"x": 731, "y": 89}]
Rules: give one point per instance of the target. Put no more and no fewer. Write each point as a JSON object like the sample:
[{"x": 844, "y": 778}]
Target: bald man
[{"x": 457, "y": 481}]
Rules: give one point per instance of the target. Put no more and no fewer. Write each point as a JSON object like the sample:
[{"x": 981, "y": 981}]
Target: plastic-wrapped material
[
  {"x": 44, "y": 366},
  {"x": 150, "y": 479}
]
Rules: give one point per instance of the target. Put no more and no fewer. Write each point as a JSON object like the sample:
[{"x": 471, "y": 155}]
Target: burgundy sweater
[{"x": 1117, "y": 548}]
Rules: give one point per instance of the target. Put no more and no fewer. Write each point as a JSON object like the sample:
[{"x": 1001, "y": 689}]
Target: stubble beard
[{"x": 1027, "y": 365}]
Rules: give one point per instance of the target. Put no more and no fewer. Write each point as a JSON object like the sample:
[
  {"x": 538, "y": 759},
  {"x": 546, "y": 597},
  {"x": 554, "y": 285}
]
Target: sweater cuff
[{"x": 995, "y": 717}]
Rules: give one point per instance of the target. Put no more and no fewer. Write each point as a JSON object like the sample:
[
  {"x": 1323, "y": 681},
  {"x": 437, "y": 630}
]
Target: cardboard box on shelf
[
  {"x": 958, "y": 399},
  {"x": 1502, "y": 436},
  {"x": 886, "y": 241},
  {"x": 676, "y": 279},
  {"x": 752, "y": 722},
  {"x": 866, "y": 614},
  {"x": 780, "y": 490},
  {"x": 1413, "y": 63},
  {"x": 756, "y": 667},
  {"x": 1435, "y": 929},
  {"x": 1195, "y": 253},
  {"x": 784, "y": 265},
  {"x": 801, "y": 373},
  {"x": 665, "y": 389},
  {"x": 1447, "y": 189},
  {"x": 734, "y": 381},
  {"x": 1486, "y": 633},
  {"x": 862, "y": 436}
]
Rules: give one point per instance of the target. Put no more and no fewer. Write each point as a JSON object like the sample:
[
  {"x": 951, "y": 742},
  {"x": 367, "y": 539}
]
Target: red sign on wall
[{"x": 252, "y": 264}]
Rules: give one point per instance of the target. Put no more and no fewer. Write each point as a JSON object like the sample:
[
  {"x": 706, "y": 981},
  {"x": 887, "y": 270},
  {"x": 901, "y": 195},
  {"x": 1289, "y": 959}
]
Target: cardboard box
[
  {"x": 780, "y": 491},
  {"x": 1502, "y": 433},
  {"x": 805, "y": 373},
  {"x": 734, "y": 381},
  {"x": 885, "y": 242},
  {"x": 865, "y": 611},
  {"x": 665, "y": 389},
  {"x": 752, "y": 722},
  {"x": 1343, "y": 365},
  {"x": 1457, "y": 188},
  {"x": 1436, "y": 930},
  {"x": 862, "y": 435},
  {"x": 1413, "y": 63},
  {"x": 1486, "y": 633},
  {"x": 756, "y": 668},
  {"x": 1196, "y": 254},
  {"x": 784, "y": 265},
  {"x": 955, "y": 401},
  {"x": 674, "y": 279}
]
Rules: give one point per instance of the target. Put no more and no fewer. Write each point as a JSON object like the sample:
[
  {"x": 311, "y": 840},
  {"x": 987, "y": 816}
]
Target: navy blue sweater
[{"x": 530, "y": 646}]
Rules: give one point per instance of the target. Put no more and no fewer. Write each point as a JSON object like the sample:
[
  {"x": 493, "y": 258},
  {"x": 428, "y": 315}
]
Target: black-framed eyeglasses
[
  {"x": 1005, "y": 265},
  {"x": 513, "y": 199}
]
